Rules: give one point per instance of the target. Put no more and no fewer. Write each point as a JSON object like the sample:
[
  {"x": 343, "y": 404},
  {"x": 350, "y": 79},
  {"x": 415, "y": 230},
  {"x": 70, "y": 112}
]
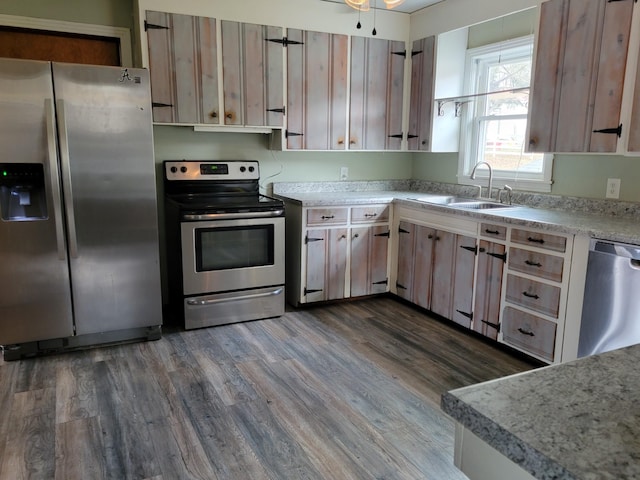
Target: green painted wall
[{"x": 115, "y": 13}]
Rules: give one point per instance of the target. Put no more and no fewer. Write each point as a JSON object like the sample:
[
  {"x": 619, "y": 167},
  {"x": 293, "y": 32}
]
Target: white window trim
[
  {"x": 120, "y": 33},
  {"x": 517, "y": 181}
]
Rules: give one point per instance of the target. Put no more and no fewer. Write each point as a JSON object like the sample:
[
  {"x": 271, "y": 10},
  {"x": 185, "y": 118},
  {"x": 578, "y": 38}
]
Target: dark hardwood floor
[{"x": 344, "y": 391}]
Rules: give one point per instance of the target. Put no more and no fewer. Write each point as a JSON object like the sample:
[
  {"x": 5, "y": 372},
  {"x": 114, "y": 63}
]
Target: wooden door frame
[{"x": 123, "y": 34}]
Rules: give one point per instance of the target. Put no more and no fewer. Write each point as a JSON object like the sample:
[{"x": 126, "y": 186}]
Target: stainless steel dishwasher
[{"x": 611, "y": 307}]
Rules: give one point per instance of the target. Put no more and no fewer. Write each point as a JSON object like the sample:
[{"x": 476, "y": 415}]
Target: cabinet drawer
[
  {"x": 374, "y": 213},
  {"x": 540, "y": 240},
  {"x": 528, "y": 332},
  {"x": 538, "y": 264},
  {"x": 327, "y": 216},
  {"x": 534, "y": 295},
  {"x": 493, "y": 231}
]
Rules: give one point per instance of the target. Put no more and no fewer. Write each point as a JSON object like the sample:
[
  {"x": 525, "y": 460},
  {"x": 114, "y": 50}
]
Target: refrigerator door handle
[
  {"x": 66, "y": 177},
  {"x": 52, "y": 157}
]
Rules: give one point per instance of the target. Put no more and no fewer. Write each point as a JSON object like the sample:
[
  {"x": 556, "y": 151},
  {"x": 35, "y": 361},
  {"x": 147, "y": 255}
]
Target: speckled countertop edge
[
  {"x": 602, "y": 219},
  {"x": 577, "y": 420}
]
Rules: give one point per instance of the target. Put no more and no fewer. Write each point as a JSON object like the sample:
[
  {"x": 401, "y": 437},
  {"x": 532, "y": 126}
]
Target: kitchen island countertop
[{"x": 577, "y": 420}]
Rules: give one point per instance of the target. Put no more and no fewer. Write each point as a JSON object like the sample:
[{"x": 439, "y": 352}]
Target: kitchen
[{"x": 175, "y": 142}]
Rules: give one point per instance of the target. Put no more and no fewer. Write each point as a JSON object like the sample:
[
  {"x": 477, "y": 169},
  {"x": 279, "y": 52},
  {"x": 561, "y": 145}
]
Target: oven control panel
[{"x": 211, "y": 170}]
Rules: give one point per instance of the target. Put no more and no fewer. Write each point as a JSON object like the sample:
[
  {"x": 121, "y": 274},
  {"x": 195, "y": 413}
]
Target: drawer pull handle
[
  {"x": 530, "y": 295},
  {"x": 370, "y": 214},
  {"x": 536, "y": 240},
  {"x": 491, "y": 232},
  {"x": 327, "y": 217},
  {"x": 526, "y": 332},
  {"x": 533, "y": 264}
]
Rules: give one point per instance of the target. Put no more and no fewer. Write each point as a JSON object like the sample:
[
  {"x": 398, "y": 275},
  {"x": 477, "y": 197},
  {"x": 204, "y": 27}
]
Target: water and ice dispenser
[{"x": 22, "y": 192}]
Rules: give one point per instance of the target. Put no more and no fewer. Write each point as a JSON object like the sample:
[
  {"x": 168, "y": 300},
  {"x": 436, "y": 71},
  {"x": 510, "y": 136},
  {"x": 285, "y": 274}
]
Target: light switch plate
[{"x": 613, "y": 188}]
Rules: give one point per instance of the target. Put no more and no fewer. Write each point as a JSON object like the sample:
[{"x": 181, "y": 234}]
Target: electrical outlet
[
  {"x": 613, "y": 188},
  {"x": 344, "y": 173}
]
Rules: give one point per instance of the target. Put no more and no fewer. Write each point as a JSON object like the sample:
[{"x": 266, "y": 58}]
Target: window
[{"x": 494, "y": 125}]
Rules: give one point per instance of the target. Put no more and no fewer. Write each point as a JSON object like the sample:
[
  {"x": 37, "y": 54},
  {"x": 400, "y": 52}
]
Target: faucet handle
[{"x": 507, "y": 189}]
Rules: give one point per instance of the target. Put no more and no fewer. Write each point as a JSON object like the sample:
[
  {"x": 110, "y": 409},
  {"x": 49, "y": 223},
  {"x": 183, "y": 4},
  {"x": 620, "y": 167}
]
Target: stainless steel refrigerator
[{"x": 79, "y": 260}]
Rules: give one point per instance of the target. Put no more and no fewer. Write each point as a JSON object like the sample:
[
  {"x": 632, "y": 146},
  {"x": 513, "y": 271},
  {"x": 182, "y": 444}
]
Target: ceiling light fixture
[{"x": 363, "y": 5}]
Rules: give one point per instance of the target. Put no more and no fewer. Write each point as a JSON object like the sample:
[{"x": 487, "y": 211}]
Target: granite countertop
[
  {"x": 577, "y": 420},
  {"x": 614, "y": 221}
]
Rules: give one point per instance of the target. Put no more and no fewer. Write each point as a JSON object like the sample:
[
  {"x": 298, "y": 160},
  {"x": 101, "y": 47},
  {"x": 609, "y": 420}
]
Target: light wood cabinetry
[
  {"x": 535, "y": 298},
  {"x": 317, "y": 67},
  {"x": 187, "y": 80},
  {"x": 435, "y": 270},
  {"x": 488, "y": 291},
  {"x": 336, "y": 252},
  {"x": 422, "y": 88},
  {"x": 183, "y": 68},
  {"x": 377, "y": 80},
  {"x": 579, "y": 72}
]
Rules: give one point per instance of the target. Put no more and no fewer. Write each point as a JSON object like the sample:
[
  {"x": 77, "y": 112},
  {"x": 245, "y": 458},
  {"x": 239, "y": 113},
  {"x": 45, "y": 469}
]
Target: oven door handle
[
  {"x": 200, "y": 303},
  {"x": 228, "y": 216}
]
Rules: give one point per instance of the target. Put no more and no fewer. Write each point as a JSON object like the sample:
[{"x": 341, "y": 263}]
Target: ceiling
[{"x": 409, "y": 6}]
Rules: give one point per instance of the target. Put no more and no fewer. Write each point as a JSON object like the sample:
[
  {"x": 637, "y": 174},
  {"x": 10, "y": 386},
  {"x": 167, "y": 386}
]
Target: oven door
[{"x": 235, "y": 254}]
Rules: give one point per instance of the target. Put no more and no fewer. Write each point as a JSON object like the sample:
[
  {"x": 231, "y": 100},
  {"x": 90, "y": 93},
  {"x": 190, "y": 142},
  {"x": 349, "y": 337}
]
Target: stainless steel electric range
[{"x": 225, "y": 243}]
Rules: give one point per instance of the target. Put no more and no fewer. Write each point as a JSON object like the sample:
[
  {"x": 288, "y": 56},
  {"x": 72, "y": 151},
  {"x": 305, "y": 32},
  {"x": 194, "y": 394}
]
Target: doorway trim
[{"x": 123, "y": 34}]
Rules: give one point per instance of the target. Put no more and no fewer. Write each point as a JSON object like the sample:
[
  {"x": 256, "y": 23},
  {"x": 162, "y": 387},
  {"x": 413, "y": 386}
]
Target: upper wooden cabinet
[
  {"x": 185, "y": 75},
  {"x": 377, "y": 80},
  {"x": 183, "y": 68},
  {"x": 579, "y": 73},
  {"x": 252, "y": 68},
  {"x": 317, "y": 70},
  {"x": 422, "y": 101}
]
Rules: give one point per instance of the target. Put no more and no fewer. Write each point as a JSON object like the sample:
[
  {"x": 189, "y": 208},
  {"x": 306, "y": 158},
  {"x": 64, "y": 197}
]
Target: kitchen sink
[{"x": 460, "y": 202}]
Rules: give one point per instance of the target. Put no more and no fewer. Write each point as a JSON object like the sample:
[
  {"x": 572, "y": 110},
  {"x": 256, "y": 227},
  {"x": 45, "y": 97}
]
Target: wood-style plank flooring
[{"x": 344, "y": 391}]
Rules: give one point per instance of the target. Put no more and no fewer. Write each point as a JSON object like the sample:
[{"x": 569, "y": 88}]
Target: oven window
[{"x": 234, "y": 247}]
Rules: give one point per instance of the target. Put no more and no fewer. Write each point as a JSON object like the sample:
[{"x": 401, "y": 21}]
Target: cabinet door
[
  {"x": 406, "y": 253},
  {"x": 335, "y": 281},
  {"x": 183, "y": 68},
  {"x": 316, "y": 246},
  {"x": 369, "y": 246},
  {"x": 316, "y": 90},
  {"x": 422, "y": 85},
  {"x": 579, "y": 75},
  {"x": 486, "y": 311},
  {"x": 377, "y": 72},
  {"x": 443, "y": 273},
  {"x": 634, "y": 126},
  {"x": 462, "y": 285},
  {"x": 252, "y": 74},
  {"x": 423, "y": 266}
]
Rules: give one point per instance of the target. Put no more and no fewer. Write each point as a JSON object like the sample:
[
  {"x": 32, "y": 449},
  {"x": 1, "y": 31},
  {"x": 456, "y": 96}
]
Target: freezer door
[
  {"x": 108, "y": 178},
  {"x": 35, "y": 296}
]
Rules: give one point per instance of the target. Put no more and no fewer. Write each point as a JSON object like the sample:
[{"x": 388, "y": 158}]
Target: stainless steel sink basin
[
  {"x": 477, "y": 205},
  {"x": 460, "y": 202}
]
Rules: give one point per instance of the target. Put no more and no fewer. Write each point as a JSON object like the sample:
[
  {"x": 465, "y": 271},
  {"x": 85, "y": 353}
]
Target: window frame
[{"x": 467, "y": 158}]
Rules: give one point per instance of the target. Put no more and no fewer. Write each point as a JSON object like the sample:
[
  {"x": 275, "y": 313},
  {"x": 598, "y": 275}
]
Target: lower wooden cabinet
[
  {"x": 335, "y": 253},
  {"x": 486, "y": 310}
]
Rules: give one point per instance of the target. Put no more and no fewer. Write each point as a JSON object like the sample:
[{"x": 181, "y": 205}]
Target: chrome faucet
[{"x": 473, "y": 177}]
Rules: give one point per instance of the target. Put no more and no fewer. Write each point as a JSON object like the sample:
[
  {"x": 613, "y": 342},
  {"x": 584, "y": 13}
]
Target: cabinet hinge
[
  {"x": 277, "y": 110},
  {"x": 153, "y": 26},
  {"x": 609, "y": 1},
  {"x": 501, "y": 256},
  {"x": 401, "y": 54},
  {"x": 307, "y": 292},
  {"x": 381, "y": 282},
  {"x": 385, "y": 234},
  {"x": 400, "y": 286},
  {"x": 284, "y": 41},
  {"x": 397, "y": 135},
  {"x": 465, "y": 314},
  {"x": 402, "y": 230},
  {"x": 492, "y": 325},
  {"x": 412, "y": 136},
  {"x": 288, "y": 134},
  {"x": 471, "y": 249},
  {"x": 615, "y": 130},
  {"x": 415, "y": 52},
  {"x": 158, "y": 104},
  {"x": 309, "y": 239}
]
